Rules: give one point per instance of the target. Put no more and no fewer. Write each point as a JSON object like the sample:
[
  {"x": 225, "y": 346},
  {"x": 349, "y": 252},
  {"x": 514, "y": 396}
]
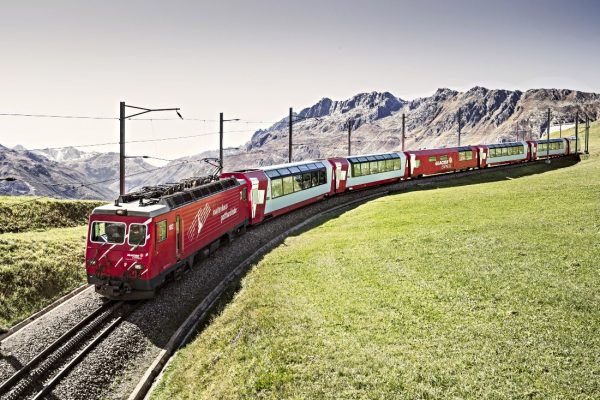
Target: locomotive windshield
[
  {"x": 137, "y": 234},
  {"x": 108, "y": 232}
]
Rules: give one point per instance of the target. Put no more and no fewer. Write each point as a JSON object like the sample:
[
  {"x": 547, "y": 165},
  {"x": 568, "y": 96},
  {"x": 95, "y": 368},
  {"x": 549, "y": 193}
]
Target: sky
[{"x": 253, "y": 60}]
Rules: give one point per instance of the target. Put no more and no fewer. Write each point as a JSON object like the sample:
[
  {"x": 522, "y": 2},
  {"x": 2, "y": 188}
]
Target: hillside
[
  {"x": 481, "y": 287},
  {"x": 42, "y": 245}
]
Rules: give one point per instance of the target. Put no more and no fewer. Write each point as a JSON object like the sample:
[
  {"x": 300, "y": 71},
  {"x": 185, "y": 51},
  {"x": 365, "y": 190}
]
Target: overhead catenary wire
[
  {"x": 138, "y": 141},
  {"x": 58, "y": 116}
]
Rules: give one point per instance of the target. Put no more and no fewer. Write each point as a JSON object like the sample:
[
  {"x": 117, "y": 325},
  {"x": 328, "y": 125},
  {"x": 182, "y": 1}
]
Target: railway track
[{"x": 37, "y": 378}]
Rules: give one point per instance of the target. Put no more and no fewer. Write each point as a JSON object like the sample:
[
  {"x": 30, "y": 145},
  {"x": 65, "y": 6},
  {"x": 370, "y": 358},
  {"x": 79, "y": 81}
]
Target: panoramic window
[
  {"x": 322, "y": 177},
  {"x": 108, "y": 232},
  {"x": 137, "y": 234},
  {"x": 161, "y": 230},
  {"x": 297, "y": 183},
  {"x": 288, "y": 185},
  {"x": 306, "y": 181},
  {"x": 276, "y": 188}
]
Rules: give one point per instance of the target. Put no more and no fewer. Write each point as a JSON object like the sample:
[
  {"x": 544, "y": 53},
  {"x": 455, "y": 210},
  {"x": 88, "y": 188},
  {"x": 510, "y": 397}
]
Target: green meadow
[
  {"x": 483, "y": 287},
  {"x": 42, "y": 244}
]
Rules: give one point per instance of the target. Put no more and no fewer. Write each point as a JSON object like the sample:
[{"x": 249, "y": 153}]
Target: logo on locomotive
[
  {"x": 199, "y": 221},
  {"x": 203, "y": 214}
]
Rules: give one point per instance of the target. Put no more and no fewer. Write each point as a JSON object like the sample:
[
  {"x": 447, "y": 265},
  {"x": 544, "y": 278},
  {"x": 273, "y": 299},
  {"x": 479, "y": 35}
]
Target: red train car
[
  {"x": 439, "y": 161},
  {"x": 279, "y": 189},
  {"x": 134, "y": 245}
]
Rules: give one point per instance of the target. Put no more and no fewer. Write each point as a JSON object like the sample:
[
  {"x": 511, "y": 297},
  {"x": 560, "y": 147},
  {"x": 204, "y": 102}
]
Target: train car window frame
[
  {"x": 272, "y": 173},
  {"x": 444, "y": 157},
  {"x": 417, "y": 163},
  {"x": 373, "y": 168},
  {"x": 276, "y": 188},
  {"x": 161, "y": 228},
  {"x": 297, "y": 182},
  {"x": 322, "y": 176},
  {"x": 306, "y": 181},
  {"x": 144, "y": 234},
  {"x": 314, "y": 176},
  {"x": 432, "y": 159},
  {"x": 95, "y": 235},
  {"x": 288, "y": 185}
]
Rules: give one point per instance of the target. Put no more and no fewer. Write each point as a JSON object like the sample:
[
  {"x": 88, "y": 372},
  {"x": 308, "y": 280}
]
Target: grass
[
  {"x": 42, "y": 243},
  {"x": 23, "y": 213},
  {"x": 471, "y": 289},
  {"x": 37, "y": 268}
]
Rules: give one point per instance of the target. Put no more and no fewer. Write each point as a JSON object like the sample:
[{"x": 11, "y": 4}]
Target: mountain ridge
[{"x": 320, "y": 130}]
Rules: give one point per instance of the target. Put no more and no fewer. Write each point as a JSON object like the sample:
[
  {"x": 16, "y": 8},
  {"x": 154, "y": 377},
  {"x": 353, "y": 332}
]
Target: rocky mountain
[
  {"x": 488, "y": 116},
  {"x": 63, "y": 154},
  {"x": 321, "y": 130},
  {"x": 78, "y": 176}
]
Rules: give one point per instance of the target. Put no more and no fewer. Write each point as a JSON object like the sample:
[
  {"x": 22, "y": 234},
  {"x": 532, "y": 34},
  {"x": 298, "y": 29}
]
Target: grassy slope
[
  {"x": 481, "y": 291},
  {"x": 38, "y": 267},
  {"x": 39, "y": 264},
  {"x": 22, "y": 214}
]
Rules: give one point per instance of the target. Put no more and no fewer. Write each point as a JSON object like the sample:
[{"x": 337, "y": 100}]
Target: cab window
[
  {"x": 108, "y": 232},
  {"x": 137, "y": 234}
]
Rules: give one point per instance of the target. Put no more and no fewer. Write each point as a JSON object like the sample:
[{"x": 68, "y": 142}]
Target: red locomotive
[
  {"x": 146, "y": 237},
  {"x": 134, "y": 245}
]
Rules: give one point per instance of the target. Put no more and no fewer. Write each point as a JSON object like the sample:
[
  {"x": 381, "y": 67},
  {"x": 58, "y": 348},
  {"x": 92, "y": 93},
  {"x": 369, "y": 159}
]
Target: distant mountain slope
[
  {"x": 38, "y": 175},
  {"x": 488, "y": 116}
]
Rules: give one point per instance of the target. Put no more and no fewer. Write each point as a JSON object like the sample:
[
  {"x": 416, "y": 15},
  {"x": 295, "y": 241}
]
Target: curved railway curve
[{"x": 114, "y": 366}]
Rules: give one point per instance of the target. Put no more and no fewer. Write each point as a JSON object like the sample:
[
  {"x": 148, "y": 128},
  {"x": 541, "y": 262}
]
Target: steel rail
[{"x": 44, "y": 361}]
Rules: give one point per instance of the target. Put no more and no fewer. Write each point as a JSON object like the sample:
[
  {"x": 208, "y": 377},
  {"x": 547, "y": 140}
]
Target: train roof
[
  {"x": 153, "y": 201},
  {"x": 132, "y": 209}
]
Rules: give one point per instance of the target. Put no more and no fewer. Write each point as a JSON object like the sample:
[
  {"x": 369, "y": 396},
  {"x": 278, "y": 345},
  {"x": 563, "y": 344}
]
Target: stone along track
[
  {"x": 39, "y": 376},
  {"x": 113, "y": 368}
]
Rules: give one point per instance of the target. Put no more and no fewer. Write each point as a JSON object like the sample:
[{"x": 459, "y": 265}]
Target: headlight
[
  {"x": 91, "y": 262},
  {"x": 138, "y": 267}
]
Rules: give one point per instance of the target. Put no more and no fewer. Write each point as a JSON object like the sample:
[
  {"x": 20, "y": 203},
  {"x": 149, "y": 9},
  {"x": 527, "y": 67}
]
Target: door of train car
[
  {"x": 341, "y": 175},
  {"x": 482, "y": 157},
  {"x": 164, "y": 249},
  {"x": 178, "y": 241}
]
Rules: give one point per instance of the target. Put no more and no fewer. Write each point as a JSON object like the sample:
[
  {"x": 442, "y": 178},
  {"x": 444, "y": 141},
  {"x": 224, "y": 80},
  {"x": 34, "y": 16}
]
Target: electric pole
[
  {"x": 290, "y": 137},
  {"x": 403, "y": 129},
  {"x": 349, "y": 138},
  {"x": 221, "y": 120},
  {"x": 576, "y": 132},
  {"x": 122, "y": 148},
  {"x": 548, "y": 140},
  {"x": 459, "y": 124},
  {"x": 587, "y": 134},
  {"x": 122, "y": 118}
]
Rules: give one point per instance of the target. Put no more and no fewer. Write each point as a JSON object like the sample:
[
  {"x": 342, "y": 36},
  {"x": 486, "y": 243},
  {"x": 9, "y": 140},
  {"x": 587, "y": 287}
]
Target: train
[{"x": 149, "y": 237}]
